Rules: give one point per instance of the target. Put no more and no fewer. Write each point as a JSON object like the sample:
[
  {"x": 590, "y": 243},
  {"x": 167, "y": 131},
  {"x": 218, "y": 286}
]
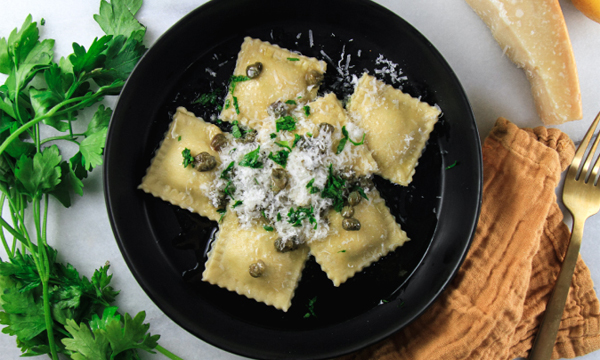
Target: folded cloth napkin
[{"x": 494, "y": 305}]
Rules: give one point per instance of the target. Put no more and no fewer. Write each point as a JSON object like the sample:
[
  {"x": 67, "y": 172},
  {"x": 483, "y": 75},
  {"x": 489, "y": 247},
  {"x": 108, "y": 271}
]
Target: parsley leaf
[
  {"x": 236, "y": 131},
  {"x": 280, "y": 157},
  {"x": 118, "y": 18},
  {"x": 251, "y": 159},
  {"x": 452, "y": 165},
  {"x": 40, "y": 173},
  {"x": 283, "y": 144},
  {"x": 285, "y": 123},
  {"x": 346, "y": 138},
  {"x": 306, "y": 110},
  {"x": 295, "y": 217},
  {"x": 225, "y": 173},
  {"x": 334, "y": 189},
  {"x": 188, "y": 159}
]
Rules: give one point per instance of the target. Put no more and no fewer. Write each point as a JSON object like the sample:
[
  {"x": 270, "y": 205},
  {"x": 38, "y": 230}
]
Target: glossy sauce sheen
[{"x": 415, "y": 207}]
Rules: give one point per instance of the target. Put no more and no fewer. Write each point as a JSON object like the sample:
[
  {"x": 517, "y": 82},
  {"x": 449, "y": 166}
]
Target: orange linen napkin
[{"x": 493, "y": 307}]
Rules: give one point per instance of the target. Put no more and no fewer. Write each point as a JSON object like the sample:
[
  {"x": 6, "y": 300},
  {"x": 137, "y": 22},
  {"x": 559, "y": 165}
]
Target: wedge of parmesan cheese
[{"x": 534, "y": 35}]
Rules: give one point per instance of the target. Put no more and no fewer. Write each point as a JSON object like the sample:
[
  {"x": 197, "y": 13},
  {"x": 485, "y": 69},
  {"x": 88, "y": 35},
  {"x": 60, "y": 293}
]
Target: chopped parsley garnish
[
  {"x": 342, "y": 251},
  {"x": 346, "y": 138},
  {"x": 361, "y": 191},
  {"x": 293, "y": 59},
  {"x": 273, "y": 135},
  {"x": 210, "y": 98},
  {"x": 268, "y": 228},
  {"x": 236, "y": 131},
  {"x": 229, "y": 189},
  {"x": 296, "y": 139},
  {"x": 452, "y": 165},
  {"x": 311, "y": 308},
  {"x": 283, "y": 144},
  {"x": 280, "y": 157},
  {"x": 312, "y": 189},
  {"x": 237, "y": 203},
  {"x": 256, "y": 181},
  {"x": 278, "y": 217},
  {"x": 334, "y": 189},
  {"x": 235, "y": 105},
  {"x": 291, "y": 102},
  {"x": 309, "y": 134},
  {"x": 234, "y": 79},
  {"x": 251, "y": 159},
  {"x": 285, "y": 123},
  {"x": 295, "y": 217},
  {"x": 188, "y": 159},
  {"x": 222, "y": 212},
  {"x": 225, "y": 173},
  {"x": 306, "y": 110},
  {"x": 179, "y": 138}
]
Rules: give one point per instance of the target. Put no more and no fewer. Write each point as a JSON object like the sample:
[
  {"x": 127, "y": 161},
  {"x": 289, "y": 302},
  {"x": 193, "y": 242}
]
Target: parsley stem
[
  {"x": 167, "y": 353},
  {"x": 44, "y": 270},
  {"x": 51, "y": 113},
  {"x": 2, "y": 237},
  {"x": 70, "y": 138},
  {"x": 12, "y": 231}
]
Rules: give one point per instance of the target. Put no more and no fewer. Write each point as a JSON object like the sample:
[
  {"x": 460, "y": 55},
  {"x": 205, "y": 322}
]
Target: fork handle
[{"x": 546, "y": 337}]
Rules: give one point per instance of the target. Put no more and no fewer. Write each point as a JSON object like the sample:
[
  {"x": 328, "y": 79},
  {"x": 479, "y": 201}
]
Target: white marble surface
[{"x": 493, "y": 84}]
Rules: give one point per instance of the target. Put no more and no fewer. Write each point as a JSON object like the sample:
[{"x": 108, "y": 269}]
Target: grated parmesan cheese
[{"x": 258, "y": 203}]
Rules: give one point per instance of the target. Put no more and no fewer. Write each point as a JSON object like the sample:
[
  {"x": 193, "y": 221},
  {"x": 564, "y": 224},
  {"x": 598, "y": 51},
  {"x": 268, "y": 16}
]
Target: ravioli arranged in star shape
[{"x": 267, "y": 230}]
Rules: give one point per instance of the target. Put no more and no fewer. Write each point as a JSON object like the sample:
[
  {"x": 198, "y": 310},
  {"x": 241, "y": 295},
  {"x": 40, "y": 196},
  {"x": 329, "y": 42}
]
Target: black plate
[{"x": 165, "y": 246}]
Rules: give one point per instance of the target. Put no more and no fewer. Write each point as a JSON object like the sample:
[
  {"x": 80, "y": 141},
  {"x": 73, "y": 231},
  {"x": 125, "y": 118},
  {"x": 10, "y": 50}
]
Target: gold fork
[{"x": 581, "y": 195}]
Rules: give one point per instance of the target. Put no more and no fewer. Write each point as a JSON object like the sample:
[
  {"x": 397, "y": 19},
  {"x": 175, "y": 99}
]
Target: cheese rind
[{"x": 534, "y": 36}]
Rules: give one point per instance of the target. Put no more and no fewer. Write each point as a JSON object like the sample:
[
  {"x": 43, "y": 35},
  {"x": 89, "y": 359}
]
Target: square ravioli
[
  {"x": 169, "y": 180},
  {"x": 397, "y": 126},
  {"x": 236, "y": 249},
  {"x": 284, "y": 76},
  {"x": 344, "y": 253},
  {"x": 328, "y": 109}
]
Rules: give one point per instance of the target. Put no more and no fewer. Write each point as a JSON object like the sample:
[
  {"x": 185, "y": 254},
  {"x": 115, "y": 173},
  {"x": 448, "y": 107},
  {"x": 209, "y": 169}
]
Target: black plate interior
[{"x": 165, "y": 247}]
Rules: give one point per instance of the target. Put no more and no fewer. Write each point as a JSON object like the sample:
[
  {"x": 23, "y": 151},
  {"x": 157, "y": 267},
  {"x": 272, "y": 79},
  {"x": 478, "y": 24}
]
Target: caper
[
  {"x": 204, "y": 161},
  {"x": 285, "y": 245},
  {"x": 218, "y": 142},
  {"x": 347, "y": 211},
  {"x": 314, "y": 77},
  {"x": 354, "y": 198},
  {"x": 351, "y": 224},
  {"x": 221, "y": 201},
  {"x": 248, "y": 137},
  {"x": 326, "y": 128},
  {"x": 257, "y": 269},
  {"x": 278, "y": 109},
  {"x": 253, "y": 70},
  {"x": 279, "y": 179},
  {"x": 365, "y": 182}
]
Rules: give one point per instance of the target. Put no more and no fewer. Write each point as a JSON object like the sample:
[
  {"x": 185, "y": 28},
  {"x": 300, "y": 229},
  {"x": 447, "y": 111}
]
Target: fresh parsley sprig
[{"x": 48, "y": 306}]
